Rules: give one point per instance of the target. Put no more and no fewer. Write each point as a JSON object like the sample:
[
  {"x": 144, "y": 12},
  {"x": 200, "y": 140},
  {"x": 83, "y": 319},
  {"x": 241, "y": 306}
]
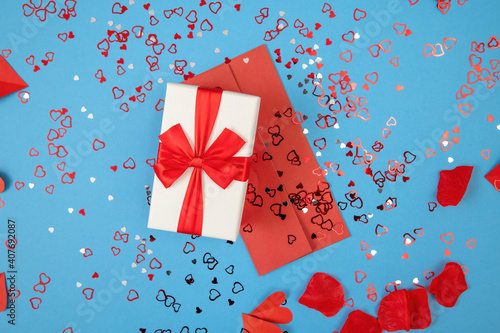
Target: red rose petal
[
  {"x": 323, "y": 293},
  {"x": 448, "y": 285},
  {"x": 256, "y": 325},
  {"x": 393, "y": 312},
  {"x": 418, "y": 307},
  {"x": 268, "y": 312},
  {"x": 3, "y": 292},
  {"x": 271, "y": 310},
  {"x": 358, "y": 322},
  {"x": 405, "y": 310},
  {"x": 452, "y": 185}
]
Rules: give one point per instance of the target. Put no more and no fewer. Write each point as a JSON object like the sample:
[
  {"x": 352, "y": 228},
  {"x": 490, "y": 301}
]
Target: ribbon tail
[{"x": 191, "y": 217}]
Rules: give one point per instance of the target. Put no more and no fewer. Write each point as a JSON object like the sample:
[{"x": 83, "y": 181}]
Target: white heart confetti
[
  {"x": 282, "y": 13},
  {"x": 110, "y": 197},
  {"x": 171, "y": 66},
  {"x": 217, "y": 50},
  {"x": 336, "y": 126},
  {"x": 246, "y": 60},
  {"x": 92, "y": 179},
  {"x": 51, "y": 230},
  {"x": 70, "y": 210},
  {"x": 137, "y": 237},
  {"x": 370, "y": 215},
  {"x": 373, "y": 252},
  {"x": 304, "y": 66},
  {"x": 293, "y": 41},
  {"x": 76, "y": 78},
  {"x": 315, "y": 46},
  {"x": 304, "y": 210},
  {"x": 83, "y": 109},
  {"x": 342, "y": 145},
  {"x": 131, "y": 66},
  {"x": 119, "y": 26},
  {"x": 311, "y": 61},
  {"x": 131, "y": 2},
  {"x": 445, "y": 143},
  {"x": 318, "y": 153},
  {"x": 160, "y": 80},
  {"x": 450, "y": 160},
  {"x": 150, "y": 251},
  {"x": 124, "y": 282},
  {"x": 415, "y": 280},
  {"x": 110, "y": 23},
  {"x": 319, "y": 76},
  {"x": 356, "y": 35},
  {"x": 27, "y": 95},
  {"x": 82, "y": 250},
  {"x": 143, "y": 271},
  {"x": 90, "y": 116},
  {"x": 123, "y": 229},
  {"x": 78, "y": 284},
  {"x": 92, "y": 19},
  {"x": 134, "y": 265},
  {"x": 151, "y": 12},
  {"x": 225, "y": 32},
  {"x": 31, "y": 185},
  {"x": 199, "y": 34},
  {"x": 305, "y": 131},
  {"x": 498, "y": 127},
  {"x": 398, "y": 282},
  {"x": 192, "y": 64}
]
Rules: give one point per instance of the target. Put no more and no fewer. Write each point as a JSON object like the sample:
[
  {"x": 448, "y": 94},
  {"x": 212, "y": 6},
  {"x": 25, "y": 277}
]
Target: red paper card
[
  {"x": 494, "y": 177},
  {"x": 9, "y": 80},
  {"x": 290, "y": 211}
]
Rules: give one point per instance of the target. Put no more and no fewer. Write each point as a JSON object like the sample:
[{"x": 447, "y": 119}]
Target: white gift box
[{"x": 222, "y": 208}]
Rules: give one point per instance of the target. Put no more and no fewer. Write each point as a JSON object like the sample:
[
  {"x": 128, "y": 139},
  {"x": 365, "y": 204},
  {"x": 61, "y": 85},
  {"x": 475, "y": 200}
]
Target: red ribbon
[{"x": 175, "y": 155}]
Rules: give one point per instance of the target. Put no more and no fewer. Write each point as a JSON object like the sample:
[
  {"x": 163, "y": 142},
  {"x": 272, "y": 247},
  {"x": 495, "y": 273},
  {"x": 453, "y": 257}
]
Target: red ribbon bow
[{"x": 175, "y": 155}]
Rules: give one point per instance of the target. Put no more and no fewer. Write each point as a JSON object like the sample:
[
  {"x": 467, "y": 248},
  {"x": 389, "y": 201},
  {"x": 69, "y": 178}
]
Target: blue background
[{"x": 426, "y": 105}]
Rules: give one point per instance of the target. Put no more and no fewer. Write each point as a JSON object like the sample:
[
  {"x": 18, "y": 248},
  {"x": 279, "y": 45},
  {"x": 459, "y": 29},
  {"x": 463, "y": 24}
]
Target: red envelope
[
  {"x": 290, "y": 211},
  {"x": 9, "y": 80},
  {"x": 494, "y": 177}
]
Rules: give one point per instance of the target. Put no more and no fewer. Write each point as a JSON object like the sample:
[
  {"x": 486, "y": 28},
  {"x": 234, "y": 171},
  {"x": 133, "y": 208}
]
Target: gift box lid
[{"x": 222, "y": 208}]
